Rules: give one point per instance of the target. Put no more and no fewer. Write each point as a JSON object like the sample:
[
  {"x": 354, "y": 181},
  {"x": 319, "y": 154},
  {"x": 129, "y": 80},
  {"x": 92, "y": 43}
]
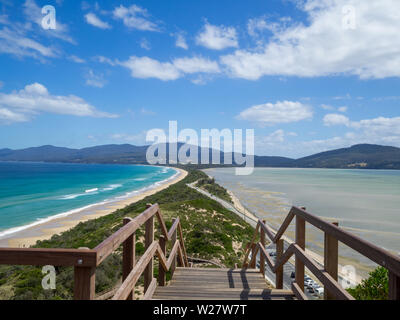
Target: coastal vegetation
[
  {"x": 208, "y": 184},
  {"x": 376, "y": 287},
  {"x": 211, "y": 232}
]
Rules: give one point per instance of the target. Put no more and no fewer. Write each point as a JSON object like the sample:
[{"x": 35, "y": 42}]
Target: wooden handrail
[
  {"x": 334, "y": 233},
  {"x": 105, "y": 248},
  {"x": 43, "y": 257},
  {"x": 85, "y": 260}
]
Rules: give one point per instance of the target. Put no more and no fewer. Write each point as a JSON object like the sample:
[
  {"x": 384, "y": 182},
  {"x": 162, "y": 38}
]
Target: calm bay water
[
  {"x": 365, "y": 202},
  {"x": 30, "y": 192}
]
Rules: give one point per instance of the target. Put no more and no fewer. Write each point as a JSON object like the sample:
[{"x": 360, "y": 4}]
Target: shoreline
[
  {"x": 44, "y": 230},
  {"x": 318, "y": 258}
]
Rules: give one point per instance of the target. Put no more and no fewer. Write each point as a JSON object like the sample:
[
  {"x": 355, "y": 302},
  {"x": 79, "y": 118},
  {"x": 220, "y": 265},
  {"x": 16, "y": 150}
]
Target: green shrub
[{"x": 376, "y": 287}]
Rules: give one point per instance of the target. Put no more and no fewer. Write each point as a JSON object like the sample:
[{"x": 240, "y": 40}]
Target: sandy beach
[{"x": 47, "y": 229}]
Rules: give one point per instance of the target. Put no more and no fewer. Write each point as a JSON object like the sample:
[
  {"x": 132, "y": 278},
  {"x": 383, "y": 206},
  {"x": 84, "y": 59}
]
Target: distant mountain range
[{"x": 366, "y": 156}]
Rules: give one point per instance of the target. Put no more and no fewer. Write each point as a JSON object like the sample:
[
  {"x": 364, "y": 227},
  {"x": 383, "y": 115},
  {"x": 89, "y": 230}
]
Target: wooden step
[
  {"x": 219, "y": 284},
  {"x": 194, "y": 293}
]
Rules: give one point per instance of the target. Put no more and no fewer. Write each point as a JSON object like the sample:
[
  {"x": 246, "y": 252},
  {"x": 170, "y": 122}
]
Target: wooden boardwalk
[{"x": 219, "y": 284}]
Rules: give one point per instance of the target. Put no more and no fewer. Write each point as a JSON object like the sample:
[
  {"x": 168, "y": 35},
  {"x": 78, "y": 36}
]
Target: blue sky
[{"x": 307, "y": 75}]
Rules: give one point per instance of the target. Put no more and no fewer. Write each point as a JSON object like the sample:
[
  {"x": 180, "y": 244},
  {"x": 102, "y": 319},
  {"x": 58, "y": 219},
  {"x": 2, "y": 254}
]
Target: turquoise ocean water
[
  {"x": 33, "y": 192},
  {"x": 364, "y": 202}
]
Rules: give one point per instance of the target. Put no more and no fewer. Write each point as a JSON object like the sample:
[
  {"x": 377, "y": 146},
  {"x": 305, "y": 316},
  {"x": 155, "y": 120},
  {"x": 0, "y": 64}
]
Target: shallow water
[
  {"x": 34, "y": 192},
  {"x": 365, "y": 202}
]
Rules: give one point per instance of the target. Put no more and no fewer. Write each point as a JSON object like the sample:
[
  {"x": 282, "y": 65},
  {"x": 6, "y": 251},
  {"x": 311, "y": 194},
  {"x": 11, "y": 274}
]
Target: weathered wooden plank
[
  {"x": 331, "y": 259},
  {"x": 182, "y": 242},
  {"x": 268, "y": 231},
  {"x": 279, "y": 270},
  {"x": 105, "y": 248},
  {"x": 394, "y": 286},
  {"x": 173, "y": 228},
  {"x": 284, "y": 226},
  {"x": 369, "y": 250},
  {"x": 148, "y": 240},
  {"x": 298, "y": 292},
  {"x": 128, "y": 256},
  {"x": 42, "y": 257},
  {"x": 173, "y": 239},
  {"x": 150, "y": 290},
  {"x": 161, "y": 268},
  {"x": 84, "y": 283},
  {"x": 262, "y": 244},
  {"x": 136, "y": 272},
  {"x": 246, "y": 256},
  {"x": 301, "y": 242},
  {"x": 323, "y": 276}
]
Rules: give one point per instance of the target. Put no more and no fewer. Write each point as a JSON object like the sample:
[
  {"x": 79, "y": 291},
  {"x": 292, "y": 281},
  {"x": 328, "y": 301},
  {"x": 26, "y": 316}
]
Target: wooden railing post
[
  {"x": 149, "y": 238},
  {"x": 173, "y": 239},
  {"x": 394, "y": 286},
  {"x": 331, "y": 252},
  {"x": 262, "y": 258},
  {"x": 253, "y": 252},
  {"x": 84, "y": 282},
  {"x": 279, "y": 271},
  {"x": 128, "y": 257},
  {"x": 301, "y": 242},
  {"x": 161, "y": 271}
]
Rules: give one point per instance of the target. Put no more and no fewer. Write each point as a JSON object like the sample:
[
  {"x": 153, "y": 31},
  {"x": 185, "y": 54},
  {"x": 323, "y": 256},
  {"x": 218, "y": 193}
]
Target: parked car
[
  {"x": 272, "y": 254},
  {"x": 319, "y": 291},
  {"x": 293, "y": 275}
]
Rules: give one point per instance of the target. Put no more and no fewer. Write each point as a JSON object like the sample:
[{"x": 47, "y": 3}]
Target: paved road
[{"x": 270, "y": 276}]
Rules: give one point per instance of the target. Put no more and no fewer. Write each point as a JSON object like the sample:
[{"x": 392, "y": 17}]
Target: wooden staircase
[
  {"x": 208, "y": 283},
  {"x": 219, "y": 284}
]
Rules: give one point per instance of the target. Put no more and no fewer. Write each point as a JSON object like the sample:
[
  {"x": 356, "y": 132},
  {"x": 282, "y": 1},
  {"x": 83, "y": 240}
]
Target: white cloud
[
  {"x": 217, "y": 37},
  {"x": 147, "y": 112},
  {"x": 9, "y": 116},
  {"x": 24, "y": 39},
  {"x": 257, "y": 25},
  {"x": 34, "y": 99},
  {"x": 280, "y": 112},
  {"x": 95, "y": 80},
  {"x": 334, "y": 119},
  {"x": 195, "y": 65},
  {"x": 106, "y": 60},
  {"x": 323, "y": 46},
  {"x": 76, "y": 59},
  {"x": 379, "y": 130},
  {"x": 135, "y": 17},
  {"x": 93, "y": 20},
  {"x": 137, "y": 139},
  {"x": 327, "y": 107},
  {"x": 181, "y": 41},
  {"x": 342, "y": 109},
  {"x": 16, "y": 43},
  {"x": 144, "y": 44},
  {"x": 145, "y": 67}
]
